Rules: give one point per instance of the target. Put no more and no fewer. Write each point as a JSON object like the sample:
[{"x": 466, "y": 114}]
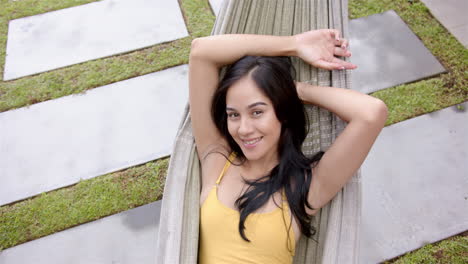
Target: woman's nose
[{"x": 245, "y": 127}]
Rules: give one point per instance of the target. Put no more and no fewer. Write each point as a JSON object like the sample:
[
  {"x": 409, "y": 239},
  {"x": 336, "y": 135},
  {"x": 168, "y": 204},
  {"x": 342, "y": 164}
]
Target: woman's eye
[
  {"x": 257, "y": 113},
  {"x": 232, "y": 115}
]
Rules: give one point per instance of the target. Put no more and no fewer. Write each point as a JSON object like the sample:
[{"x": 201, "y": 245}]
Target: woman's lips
[{"x": 251, "y": 143}]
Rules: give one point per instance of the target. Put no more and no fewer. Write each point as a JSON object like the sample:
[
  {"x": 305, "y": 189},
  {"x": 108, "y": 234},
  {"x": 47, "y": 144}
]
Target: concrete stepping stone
[
  {"x": 387, "y": 53},
  {"x": 56, "y": 143},
  {"x": 61, "y": 38},
  {"x": 414, "y": 185},
  {"x": 125, "y": 238},
  {"x": 453, "y": 15}
]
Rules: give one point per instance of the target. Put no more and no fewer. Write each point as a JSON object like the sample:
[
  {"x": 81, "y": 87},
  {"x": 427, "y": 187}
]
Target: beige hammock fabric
[{"x": 337, "y": 223}]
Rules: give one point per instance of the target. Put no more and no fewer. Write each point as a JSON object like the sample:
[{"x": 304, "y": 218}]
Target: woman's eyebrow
[
  {"x": 255, "y": 104},
  {"x": 249, "y": 106}
]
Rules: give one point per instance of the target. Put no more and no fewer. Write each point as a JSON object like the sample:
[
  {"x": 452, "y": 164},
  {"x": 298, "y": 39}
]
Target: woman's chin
[{"x": 252, "y": 155}]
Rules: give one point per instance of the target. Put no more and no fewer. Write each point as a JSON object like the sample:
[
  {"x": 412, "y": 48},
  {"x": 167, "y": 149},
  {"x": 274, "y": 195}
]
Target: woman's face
[{"x": 252, "y": 121}]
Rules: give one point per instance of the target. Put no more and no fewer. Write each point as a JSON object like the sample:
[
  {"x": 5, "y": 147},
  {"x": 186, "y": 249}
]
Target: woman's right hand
[{"x": 319, "y": 48}]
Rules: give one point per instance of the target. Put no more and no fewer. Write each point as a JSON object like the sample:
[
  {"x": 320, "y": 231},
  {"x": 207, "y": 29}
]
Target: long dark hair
[{"x": 273, "y": 75}]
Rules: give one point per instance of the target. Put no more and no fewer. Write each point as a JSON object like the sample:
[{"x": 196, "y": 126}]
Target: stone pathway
[
  {"x": 453, "y": 15},
  {"x": 387, "y": 53},
  {"x": 414, "y": 184},
  {"x": 61, "y": 38},
  {"x": 58, "y": 142},
  {"x": 126, "y": 237}
]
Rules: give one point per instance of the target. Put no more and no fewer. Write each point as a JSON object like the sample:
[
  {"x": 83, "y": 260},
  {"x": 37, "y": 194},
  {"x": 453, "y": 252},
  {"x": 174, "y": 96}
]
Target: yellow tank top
[{"x": 220, "y": 240}]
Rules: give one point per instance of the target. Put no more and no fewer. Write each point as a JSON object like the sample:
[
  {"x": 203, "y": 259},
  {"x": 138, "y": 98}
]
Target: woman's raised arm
[
  {"x": 365, "y": 115},
  {"x": 209, "y": 54}
]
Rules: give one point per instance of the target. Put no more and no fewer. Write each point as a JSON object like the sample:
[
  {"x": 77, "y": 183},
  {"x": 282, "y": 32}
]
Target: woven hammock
[{"x": 337, "y": 223}]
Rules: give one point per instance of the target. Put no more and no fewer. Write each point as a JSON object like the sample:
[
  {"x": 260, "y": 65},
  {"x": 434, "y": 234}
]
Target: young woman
[{"x": 255, "y": 210}]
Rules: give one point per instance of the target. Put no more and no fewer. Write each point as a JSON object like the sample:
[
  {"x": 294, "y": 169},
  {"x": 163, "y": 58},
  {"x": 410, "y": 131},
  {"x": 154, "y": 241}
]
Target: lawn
[{"x": 108, "y": 194}]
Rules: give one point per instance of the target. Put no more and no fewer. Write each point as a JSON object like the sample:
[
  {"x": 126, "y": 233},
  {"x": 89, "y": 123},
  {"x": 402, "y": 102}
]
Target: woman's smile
[{"x": 251, "y": 143}]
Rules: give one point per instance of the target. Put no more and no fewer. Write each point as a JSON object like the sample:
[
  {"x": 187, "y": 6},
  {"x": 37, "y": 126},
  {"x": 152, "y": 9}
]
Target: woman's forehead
[{"x": 244, "y": 93}]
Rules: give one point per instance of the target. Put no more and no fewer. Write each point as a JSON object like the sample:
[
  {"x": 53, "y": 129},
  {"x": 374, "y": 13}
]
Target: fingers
[
  {"x": 335, "y": 33},
  {"x": 335, "y": 64},
  {"x": 338, "y": 41},
  {"x": 343, "y": 64},
  {"x": 344, "y": 43},
  {"x": 338, "y": 51},
  {"x": 329, "y": 65}
]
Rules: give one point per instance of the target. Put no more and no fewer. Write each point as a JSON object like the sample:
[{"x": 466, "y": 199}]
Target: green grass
[
  {"x": 453, "y": 250},
  {"x": 95, "y": 198},
  {"x": 410, "y": 100}
]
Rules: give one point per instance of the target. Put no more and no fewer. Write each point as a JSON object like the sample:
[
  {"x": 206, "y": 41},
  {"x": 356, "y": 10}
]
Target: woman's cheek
[{"x": 231, "y": 128}]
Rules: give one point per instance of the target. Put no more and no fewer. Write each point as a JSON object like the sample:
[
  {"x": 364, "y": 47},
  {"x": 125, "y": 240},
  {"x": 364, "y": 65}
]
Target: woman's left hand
[{"x": 319, "y": 48}]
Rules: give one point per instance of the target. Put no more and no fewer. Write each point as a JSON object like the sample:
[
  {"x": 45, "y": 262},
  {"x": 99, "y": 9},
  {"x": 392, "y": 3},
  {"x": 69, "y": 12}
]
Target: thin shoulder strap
[
  {"x": 226, "y": 166},
  {"x": 285, "y": 199}
]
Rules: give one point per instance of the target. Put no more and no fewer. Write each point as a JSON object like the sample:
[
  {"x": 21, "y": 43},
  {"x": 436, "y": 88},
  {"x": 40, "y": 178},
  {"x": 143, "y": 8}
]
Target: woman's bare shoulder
[{"x": 212, "y": 161}]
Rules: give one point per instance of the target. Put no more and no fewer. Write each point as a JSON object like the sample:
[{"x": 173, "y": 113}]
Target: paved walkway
[
  {"x": 453, "y": 14},
  {"x": 413, "y": 171},
  {"x": 405, "y": 59},
  {"x": 125, "y": 238},
  {"x": 64, "y": 37},
  {"x": 59, "y": 142}
]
